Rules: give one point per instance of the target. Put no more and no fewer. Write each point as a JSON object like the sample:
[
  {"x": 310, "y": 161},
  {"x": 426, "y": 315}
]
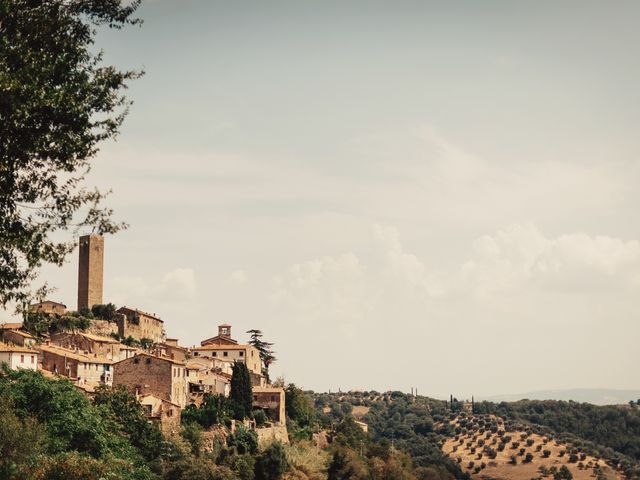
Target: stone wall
[
  {"x": 144, "y": 374},
  {"x": 102, "y": 328}
]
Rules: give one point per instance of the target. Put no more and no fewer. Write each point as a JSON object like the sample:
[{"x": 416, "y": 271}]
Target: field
[{"x": 486, "y": 448}]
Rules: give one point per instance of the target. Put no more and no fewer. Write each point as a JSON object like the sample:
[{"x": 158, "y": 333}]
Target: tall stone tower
[{"x": 90, "y": 271}]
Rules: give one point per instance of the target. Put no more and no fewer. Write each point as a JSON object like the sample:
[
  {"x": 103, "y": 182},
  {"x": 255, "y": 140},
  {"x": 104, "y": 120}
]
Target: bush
[{"x": 272, "y": 463}]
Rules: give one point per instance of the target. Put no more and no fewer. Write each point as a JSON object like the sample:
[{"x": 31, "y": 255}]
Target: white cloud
[
  {"x": 521, "y": 256},
  {"x": 238, "y": 277},
  {"x": 178, "y": 285}
]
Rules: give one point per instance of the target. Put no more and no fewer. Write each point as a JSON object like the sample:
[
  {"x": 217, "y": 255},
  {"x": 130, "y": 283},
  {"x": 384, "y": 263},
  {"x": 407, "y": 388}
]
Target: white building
[{"x": 18, "y": 357}]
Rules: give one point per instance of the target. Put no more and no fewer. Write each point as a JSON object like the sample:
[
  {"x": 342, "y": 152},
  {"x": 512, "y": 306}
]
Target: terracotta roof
[
  {"x": 10, "y": 326},
  {"x": 6, "y": 347},
  {"x": 99, "y": 338},
  {"x": 22, "y": 333},
  {"x": 145, "y": 354},
  {"x": 81, "y": 357},
  {"x": 223, "y": 347},
  {"x": 173, "y": 346}
]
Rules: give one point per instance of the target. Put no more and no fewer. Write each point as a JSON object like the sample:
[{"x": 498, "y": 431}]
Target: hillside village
[{"x": 130, "y": 347}]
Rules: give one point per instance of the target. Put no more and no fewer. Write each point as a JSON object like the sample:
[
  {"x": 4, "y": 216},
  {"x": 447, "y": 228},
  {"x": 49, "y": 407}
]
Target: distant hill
[{"x": 596, "y": 396}]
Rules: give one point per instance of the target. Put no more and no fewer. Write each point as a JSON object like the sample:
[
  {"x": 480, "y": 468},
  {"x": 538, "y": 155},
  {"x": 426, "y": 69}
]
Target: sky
[{"x": 438, "y": 195}]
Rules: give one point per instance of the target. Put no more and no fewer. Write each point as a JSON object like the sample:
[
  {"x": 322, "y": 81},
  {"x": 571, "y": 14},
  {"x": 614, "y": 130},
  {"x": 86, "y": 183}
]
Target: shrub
[{"x": 272, "y": 463}]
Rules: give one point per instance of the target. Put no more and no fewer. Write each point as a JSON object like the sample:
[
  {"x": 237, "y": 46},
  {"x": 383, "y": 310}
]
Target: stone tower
[{"x": 90, "y": 271}]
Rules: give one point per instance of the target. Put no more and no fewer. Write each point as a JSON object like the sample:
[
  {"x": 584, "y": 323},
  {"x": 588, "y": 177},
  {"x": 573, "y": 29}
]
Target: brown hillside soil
[
  {"x": 475, "y": 453},
  {"x": 360, "y": 411}
]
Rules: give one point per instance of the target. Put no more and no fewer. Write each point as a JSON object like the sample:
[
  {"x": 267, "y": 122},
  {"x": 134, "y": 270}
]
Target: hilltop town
[{"x": 99, "y": 344}]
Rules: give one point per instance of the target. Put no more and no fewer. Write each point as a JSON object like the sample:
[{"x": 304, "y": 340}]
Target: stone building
[
  {"x": 171, "y": 349},
  {"x": 223, "y": 347},
  {"x": 89, "y": 369},
  {"x": 204, "y": 378},
  {"x": 272, "y": 401},
  {"x": 89, "y": 343},
  {"x": 138, "y": 324},
  {"x": 18, "y": 337},
  {"x": 90, "y": 271},
  {"x": 49, "y": 307},
  {"x": 148, "y": 374},
  {"x": 17, "y": 357},
  {"x": 161, "y": 412}
]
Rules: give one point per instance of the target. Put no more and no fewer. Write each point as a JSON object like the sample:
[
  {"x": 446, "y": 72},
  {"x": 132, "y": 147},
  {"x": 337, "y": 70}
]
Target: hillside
[
  {"x": 488, "y": 447},
  {"x": 594, "y": 396},
  {"x": 590, "y": 441}
]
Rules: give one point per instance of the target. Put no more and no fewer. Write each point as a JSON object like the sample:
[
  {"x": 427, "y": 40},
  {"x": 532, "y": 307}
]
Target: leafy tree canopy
[{"x": 59, "y": 101}]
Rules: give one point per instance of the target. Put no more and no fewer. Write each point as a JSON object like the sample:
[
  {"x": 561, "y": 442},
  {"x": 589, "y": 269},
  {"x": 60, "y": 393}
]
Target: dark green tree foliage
[
  {"x": 215, "y": 409},
  {"x": 241, "y": 391},
  {"x": 299, "y": 407},
  {"x": 613, "y": 426},
  {"x": 244, "y": 440},
  {"x": 64, "y": 427},
  {"x": 127, "y": 412},
  {"x": 58, "y": 102},
  {"x": 264, "y": 348},
  {"x": 272, "y": 463},
  {"x": 104, "y": 311}
]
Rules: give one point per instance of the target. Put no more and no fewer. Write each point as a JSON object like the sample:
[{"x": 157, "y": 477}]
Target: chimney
[{"x": 90, "y": 271}]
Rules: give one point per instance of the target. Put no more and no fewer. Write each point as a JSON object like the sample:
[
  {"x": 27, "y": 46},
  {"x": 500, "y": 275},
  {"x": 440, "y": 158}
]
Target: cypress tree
[{"x": 241, "y": 391}]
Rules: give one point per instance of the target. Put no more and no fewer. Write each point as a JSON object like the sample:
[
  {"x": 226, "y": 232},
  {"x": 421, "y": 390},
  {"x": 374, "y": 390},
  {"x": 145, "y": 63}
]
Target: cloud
[
  {"x": 238, "y": 277},
  {"x": 521, "y": 256},
  {"x": 177, "y": 285}
]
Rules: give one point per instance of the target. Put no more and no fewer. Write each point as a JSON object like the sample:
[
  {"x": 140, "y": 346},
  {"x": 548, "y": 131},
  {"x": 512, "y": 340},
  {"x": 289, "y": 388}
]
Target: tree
[
  {"x": 104, "y": 312},
  {"x": 563, "y": 474},
  {"x": 241, "y": 390},
  {"x": 264, "y": 349},
  {"x": 58, "y": 103},
  {"x": 272, "y": 463},
  {"x": 298, "y": 406}
]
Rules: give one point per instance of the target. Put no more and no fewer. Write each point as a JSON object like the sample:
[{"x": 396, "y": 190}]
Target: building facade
[
  {"x": 16, "y": 357},
  {"x": 148, "y": 374},
  {"x": 138, "y": 324}
]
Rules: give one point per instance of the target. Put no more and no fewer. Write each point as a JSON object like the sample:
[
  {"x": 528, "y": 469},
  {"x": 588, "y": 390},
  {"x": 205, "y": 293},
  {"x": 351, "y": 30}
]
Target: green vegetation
[
  {"x": 267, "y": 355},
  {"x": 241, "y": 391},
  {"x": 613, "y": 426},
  {"x": 58, "y": 103}
]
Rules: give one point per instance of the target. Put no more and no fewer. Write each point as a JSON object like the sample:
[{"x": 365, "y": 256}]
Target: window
[
  {"x": 242, "y": 354},
  {"x": 136, "y": 360},
  {"x": 195, "y": 354},
  {"x": 147, "y": 361},
  {"x": 33, "y": 358},
  {"x": 214, "y": 354},
  {"x": 21, "y": 358},
  {"x": 255, "y": 398},
  {"x": 225, "y": 354},
  {"x": 274, "y": 398}
]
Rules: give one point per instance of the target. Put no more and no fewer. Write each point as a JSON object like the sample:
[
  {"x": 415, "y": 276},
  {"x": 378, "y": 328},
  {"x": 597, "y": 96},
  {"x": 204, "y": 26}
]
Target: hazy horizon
[{"x": 410, "y": 194}]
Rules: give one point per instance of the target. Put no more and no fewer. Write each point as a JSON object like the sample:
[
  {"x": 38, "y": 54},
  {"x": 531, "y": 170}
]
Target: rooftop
[
  {"x": 223, "y": 347},
  {"x": 145, "y": 354},
  {"x": 81, "y": 357},
  {"x": 10, "y": 326},
  {"x": 7, "y": 347}
]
